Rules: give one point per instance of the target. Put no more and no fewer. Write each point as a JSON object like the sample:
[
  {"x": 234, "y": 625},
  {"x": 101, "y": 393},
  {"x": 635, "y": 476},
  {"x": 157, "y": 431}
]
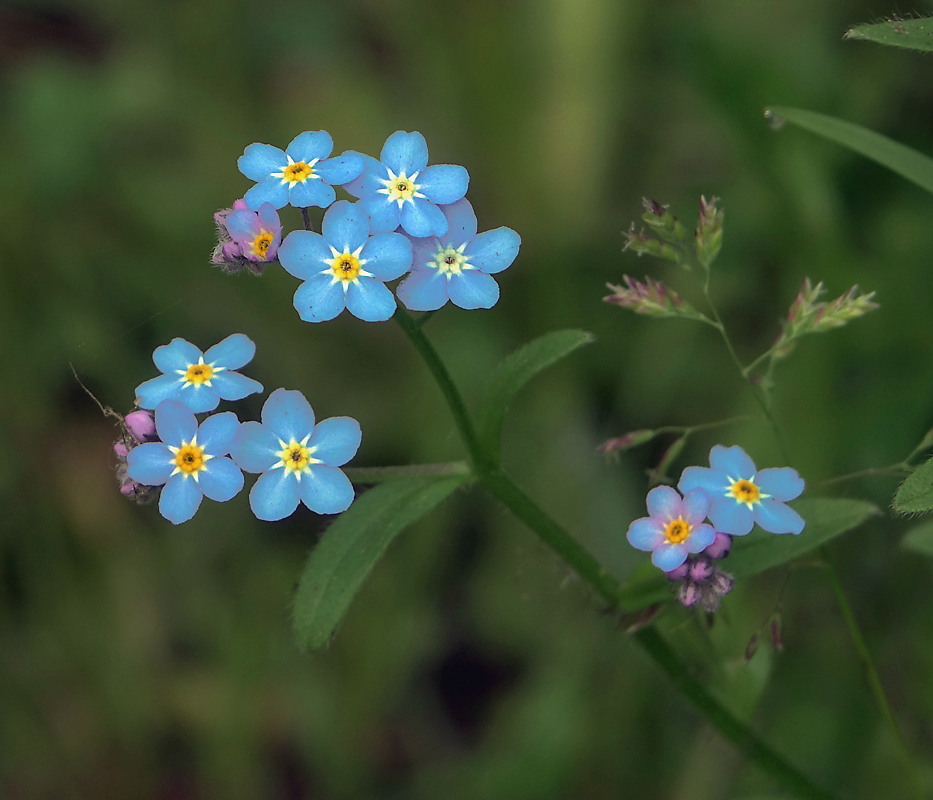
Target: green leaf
[
  {"x": 914, "y": 34},
  {"x": 350, "y": 548},
  {"x": 920, "y": 539},
  {"x": 915, "y": 494},
  {"x": 905, "y": 161},
  {"x": 826, "y": 519},
  {"x": 514, "y": 372}
]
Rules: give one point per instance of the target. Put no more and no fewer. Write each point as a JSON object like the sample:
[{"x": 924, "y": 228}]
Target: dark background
[{"x": 142, "y": 660}]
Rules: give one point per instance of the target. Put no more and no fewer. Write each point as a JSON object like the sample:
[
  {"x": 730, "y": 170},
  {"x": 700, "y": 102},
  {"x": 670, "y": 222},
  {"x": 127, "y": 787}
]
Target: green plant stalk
[
  {"x": 868, "y": 666},
  {"x": 529, "y": 512}
]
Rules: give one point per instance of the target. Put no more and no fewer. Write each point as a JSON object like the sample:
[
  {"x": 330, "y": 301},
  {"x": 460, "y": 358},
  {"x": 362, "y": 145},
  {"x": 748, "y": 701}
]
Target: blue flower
[
  {"x": 740, "y": 495},
  {"x": 402, "y": 188},
  {"x": 674, "y": 527},
  {"x": 298, "y": 459},
  {"x": 457, "y": 266},
  {"x": 200, "y": 380},
  {"x": 303, "y": 175},
  {"x": 189, "y": 460},
  {"x": 346, "y": 267}
]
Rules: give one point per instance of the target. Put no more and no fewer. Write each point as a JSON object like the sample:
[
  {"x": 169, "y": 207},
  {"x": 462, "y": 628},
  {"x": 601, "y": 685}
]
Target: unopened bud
[
  {"x": 662, "y": 222},
  {"x": 645, "y": 245},
  {"x": 678, "y": 573},
  {"x": 807, "y": 315},
  {"x": 708, "y": 241},
  {"x": 700, "y": 570},
  {"x": 689, "y": 594},
  {"x": 720, "y": 547},
  {"x": 651, "y": 298},
  {"x": 141, "y": 424}
]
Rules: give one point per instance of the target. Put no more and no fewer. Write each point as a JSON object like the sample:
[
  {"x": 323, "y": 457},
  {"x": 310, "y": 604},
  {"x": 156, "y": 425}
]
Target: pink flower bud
[
  {"x": 720, "y": 547},
  {"x": 120, "y": 449},
  {"x": 689, "y": 593},
  {"x": 679, "y": 573},
  {"x": 700, "y": 570},
  {"x": 141, "y": 424}
]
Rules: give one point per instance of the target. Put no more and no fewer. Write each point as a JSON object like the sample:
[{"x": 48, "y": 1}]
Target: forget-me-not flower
[
  {"x": 298, "y": 459},
  {"x": 458, "y": 265},
  {"x": 401, "y": 188},
  {"x": 674, "y": 527},
  {"x": 740, "y": 495},
  {"x": 200, "y": 380},
  {"x": 189, "y": 461},
  {"x": 302, "y": 175},
  {"x": 345, "y": 267},
  {"x": 257, "y": 235}
]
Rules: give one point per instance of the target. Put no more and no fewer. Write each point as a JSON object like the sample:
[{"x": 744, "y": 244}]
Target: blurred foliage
[{"x": 141, "y": 660}]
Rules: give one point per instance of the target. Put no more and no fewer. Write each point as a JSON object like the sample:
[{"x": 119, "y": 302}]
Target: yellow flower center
[
  {"x": 296, "y": 458},
  {"x": 401, "y": 188},
  {"x": 262, "y": 243},
  {"x": 297, "y": 172},
  {"x": 745, "y": 492},
  {"x": 677, "y": 530},
  {"x": 346, "y": 267},
  {"x": 189, "y": 459},
  {"x": 449, "y": 260},
  {"x": 199, "y": 373}
]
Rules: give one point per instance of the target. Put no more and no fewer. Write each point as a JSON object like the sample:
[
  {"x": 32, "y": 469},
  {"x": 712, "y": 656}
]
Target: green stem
[
  {"x": 306, "y": 219},
  {"x": 891, "y": 469},
  {"x": 529, "y": 512},
  {"x": 868, "y": 666},
  {"x": 380, "y": 474}
]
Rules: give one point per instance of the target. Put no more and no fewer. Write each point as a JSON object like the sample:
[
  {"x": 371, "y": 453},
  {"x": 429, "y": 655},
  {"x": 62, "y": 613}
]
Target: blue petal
[
  {"x": 150, "y": 464},
  {"x": 269, "y": 218},
  {"x": 271, "y": 190},
  {"x": 152, "y": 392},
  {"x": 310, "y": 145},
  {"x": 175, "y": 423},
  {"x": 423, "y": 290},
  {"x": 732, "y": 461},
  {"x": 261, "y": 160},
  {"x": 244, "y": 224},
  {"x": 288, "y": 415},
  {"x": 311, "y": 193},
  {"x": 728, "y": 516},
  {"x": 645, "y": 533},
  {"x": 346, "y": 226},
  {"x": 421, "y": 218},
  {"x": 700, "y": 538},
  {"x": 216, "y": 433},
  {"x": 782, "y": 483},
  {"x": 180, "y": 499},
  {"x": 234, "y": 386},
  {"x": 255, "y": 448},
  {"x": 710, "y": 481},
  {"x": 335, "y": 440},
  {"x": 669, "y": 556},
  {"x": 177, "y": 354},
  {"x": 387, "y": 255},
  {"x": 461, "y": 222},
  {"x": 199, "y": 398},
  {"x": 236, "y": 351},
  {"x": 664, "y": 503},
  {"x": 775, "y": 517},
  {"x": 274, "y": 496},
  {"x": 325, "y": 490},
  {"x": 494, "y": 250},
  {"x": 405, "y": 152},
  {"x": 443, "y": 183},
  {"x": 220, "y": 480},
  {"x": 341, "y": 169},
  {"x": 473, "y": 289},
  {"x": 382, "y": 212},
  {"x": 319, "y": 299},
  {"x": 304, "y": 254},
  {"x": 695, "y": 506},
  {"x": 424, "y": 252},
  {"x": 370, "y": 300},
  {"x": 370, "y": 179}
]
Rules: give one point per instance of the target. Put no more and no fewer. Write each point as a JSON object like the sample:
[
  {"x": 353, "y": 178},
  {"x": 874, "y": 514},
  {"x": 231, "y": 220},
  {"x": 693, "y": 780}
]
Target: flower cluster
[
  {"x": 297, "y": 460},
  {"x": 408, "y": 217},
  {"x": 734, "y": 496}
]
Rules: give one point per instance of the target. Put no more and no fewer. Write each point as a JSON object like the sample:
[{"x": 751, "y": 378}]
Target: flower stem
[
  {"x": 306, "y": 219},
  {"x": 529, "y": 512}
]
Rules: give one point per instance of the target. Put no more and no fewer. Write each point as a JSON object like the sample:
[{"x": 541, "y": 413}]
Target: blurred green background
[{"x": 142, "y": 660}]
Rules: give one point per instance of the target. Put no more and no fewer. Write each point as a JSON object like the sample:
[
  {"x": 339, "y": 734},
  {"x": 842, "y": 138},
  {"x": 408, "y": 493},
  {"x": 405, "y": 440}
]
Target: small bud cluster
[
  {"x": 807, "y": 315},
  {"x": 708, "y": 239},
  {"x": 229, "y": 254},
  {"x": 138, "y": 428},
  {"x": 702, "y": 583},
  {"x": 651, "y": 298}
]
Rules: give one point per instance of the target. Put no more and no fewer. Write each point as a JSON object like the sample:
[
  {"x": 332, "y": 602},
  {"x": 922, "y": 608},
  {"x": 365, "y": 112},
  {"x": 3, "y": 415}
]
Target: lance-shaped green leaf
[
  {"x": 350, "y": 548},
  {"x": 826, "y": 519},
  {"x": 914, "y": 34},
  {"x": 905, "y": 161},
  {"x": 514, "y": 372},
  {"x": 920, "y": 539},
  {"x": 915, "y": 494}
]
